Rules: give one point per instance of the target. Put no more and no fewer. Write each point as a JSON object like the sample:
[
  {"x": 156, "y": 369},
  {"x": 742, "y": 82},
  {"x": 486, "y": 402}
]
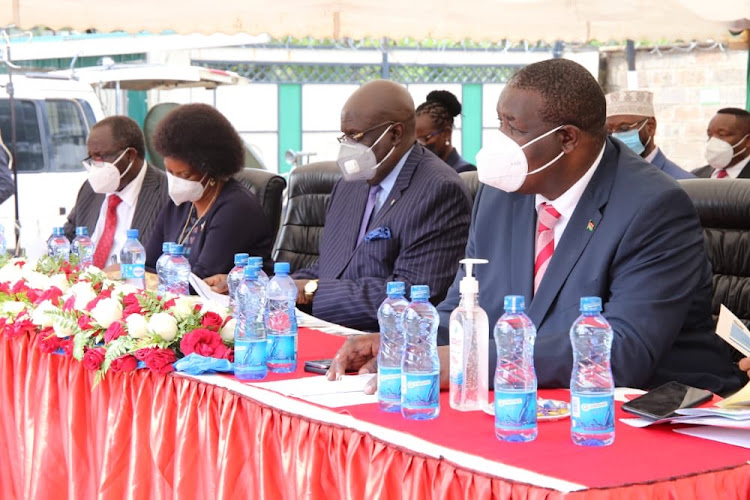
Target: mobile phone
[
  {"x": 663, "y": 401},
  {"x": 318, "y": 366}
]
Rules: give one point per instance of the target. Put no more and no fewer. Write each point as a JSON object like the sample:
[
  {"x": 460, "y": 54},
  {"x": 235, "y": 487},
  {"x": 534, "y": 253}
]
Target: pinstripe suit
[
  {"x": 428, "y": 213},
  {"x": 152, "y": 197}
]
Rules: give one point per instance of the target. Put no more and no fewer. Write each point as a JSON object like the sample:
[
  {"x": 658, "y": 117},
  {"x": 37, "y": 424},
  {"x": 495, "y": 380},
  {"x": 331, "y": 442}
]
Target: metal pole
[
  {"x": 630, "y": 58},
  {"x": 11, "y": 103},
  {"x": 385, "y": 71}
]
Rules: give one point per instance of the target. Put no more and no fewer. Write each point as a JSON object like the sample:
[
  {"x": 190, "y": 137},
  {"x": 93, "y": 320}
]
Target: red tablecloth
[{"x": 143, "y": 435}]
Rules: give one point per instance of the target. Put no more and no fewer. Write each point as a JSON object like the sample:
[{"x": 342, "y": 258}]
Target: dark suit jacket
[
  {"x": 458, "y": 163},
  {"x": 427, "y": 212},
  {"x": 670, "y": 168},
  {"x": 152, "y": 197},
  {"x": 706, "y": 171},
  {"x": 235, "y": 223},
  {"x": 645, "y": 257}
]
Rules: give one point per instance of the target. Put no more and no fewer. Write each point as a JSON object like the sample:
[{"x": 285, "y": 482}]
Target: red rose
[
  {"x": 212, "y": 321},
  {"x": 21, "y": 263},
  {"x": 52, "y": 294},
  {"x": 131, "y": 305},
  {"x": 141, "y": 354},
  {"x": 33, "y": 295},
  {"x": 114, "y": 331},
  {"x": 67, "y": 346},
  {"x": 160, "y": 360},
  {"x": 93, "y": 358},
  {"x": 48, "y": 341},
  {"x": 84, "y": 322},
  {"x": 20, "y": 287},
  {"x": 105, "y": 294},
  {"x": 169, "y": 303},
  {"x": 125, "y": 363},
  {"x": 197, "y": 308},
  {"x": 204, "y": 342},
  {"x": 229, "y": 355},
  {"x": 20, "y": 327},
  {"x": 5, "y": 288},
  {"x": 69, "y": 304}
]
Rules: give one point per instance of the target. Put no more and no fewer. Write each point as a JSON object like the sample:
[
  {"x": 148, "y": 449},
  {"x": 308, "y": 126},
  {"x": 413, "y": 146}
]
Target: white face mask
[
  {"x": 502, "y": 164},
  {"x": 104, "y": 177},
  {"x": 357, "y": 162},
  {"x": 719, "y": 152},
  {"x": 182, "y": 190}
]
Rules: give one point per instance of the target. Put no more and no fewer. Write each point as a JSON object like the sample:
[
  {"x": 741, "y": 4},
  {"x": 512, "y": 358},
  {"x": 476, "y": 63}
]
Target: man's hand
[
  {"x": 301, "y": 298},
  {"x": 359, "y": 352},
  {"x": 218, "y": 283},
  {"x": 745, "y": 365}
]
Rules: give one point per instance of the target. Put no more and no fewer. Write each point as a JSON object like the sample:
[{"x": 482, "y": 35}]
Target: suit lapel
[
  {"x": 522, "y": 247},
  {"x": 659, "y": 160},
  {"x": 576, "y": 236},
  {"x": 402, "y": 183},
  {"x": 92, "y": 217},
  {"x": 351, "y": 220},
  {"x": 143, "y": 205},
  {"x": 745, "y": 172}
]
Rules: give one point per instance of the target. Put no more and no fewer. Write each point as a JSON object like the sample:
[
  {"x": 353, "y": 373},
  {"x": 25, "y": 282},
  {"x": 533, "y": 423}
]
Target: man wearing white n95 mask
[
  {"x": 727, "y": 150},
  {"x": 122, "y": 191}
]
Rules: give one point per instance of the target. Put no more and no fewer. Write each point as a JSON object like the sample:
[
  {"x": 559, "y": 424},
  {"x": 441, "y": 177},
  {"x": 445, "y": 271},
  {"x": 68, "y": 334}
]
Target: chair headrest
[
  {"x": 314, "y": 178},
  {"x": 721, "y": 203}
]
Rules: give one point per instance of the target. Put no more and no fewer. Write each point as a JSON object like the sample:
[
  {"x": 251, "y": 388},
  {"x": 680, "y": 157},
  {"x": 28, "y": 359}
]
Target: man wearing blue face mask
[
  {"x": 630, "y": 119},
  {"x": 398, "y": 214}
]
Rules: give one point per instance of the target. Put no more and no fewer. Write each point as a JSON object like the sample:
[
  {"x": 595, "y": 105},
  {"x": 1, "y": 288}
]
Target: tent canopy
[{"x": 549, "y": 20}]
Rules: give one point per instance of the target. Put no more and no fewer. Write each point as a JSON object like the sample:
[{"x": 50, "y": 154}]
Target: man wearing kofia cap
[{"x": 630, "y": 118}]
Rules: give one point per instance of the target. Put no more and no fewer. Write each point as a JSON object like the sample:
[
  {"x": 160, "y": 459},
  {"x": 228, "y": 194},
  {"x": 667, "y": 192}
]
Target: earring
[
  {"x": 447, "y": 143},
  {"x": 212, "y": 182}
]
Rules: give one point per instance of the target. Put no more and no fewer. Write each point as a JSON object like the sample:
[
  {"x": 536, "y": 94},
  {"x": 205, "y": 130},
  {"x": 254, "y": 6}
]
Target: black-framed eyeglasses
[
  {"x": 628, "y": 126},
  {"x": 353, "y": 138},
  {"x": 105, "y": 157},
  {"x": 424, "y": 138}
]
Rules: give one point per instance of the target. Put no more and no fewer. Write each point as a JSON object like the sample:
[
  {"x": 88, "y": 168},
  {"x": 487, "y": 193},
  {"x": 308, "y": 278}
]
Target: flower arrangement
[{"x": 106, "y": 324}]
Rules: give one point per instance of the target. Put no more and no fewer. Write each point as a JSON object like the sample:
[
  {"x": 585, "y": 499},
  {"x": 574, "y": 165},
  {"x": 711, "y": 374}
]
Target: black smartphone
[
  {"x": 318, "y": 366},
  {"x": 663, "y": 401}
]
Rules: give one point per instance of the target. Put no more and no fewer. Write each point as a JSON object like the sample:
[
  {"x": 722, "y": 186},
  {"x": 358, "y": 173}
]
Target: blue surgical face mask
[{"x": 632, "y": 139}]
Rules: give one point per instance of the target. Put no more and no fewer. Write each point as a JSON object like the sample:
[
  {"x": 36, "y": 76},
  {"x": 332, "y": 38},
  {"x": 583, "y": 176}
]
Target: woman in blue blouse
[{"x": 435, "y": 119}]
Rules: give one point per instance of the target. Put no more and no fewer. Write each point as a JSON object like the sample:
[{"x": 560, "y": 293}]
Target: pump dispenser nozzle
[{"x": 469, "y": 284}]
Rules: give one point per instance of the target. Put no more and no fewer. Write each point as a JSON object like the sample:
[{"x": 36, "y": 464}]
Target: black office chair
[
  {"x": 269, "y": 189},
  {"x": 310, "y": 188}
]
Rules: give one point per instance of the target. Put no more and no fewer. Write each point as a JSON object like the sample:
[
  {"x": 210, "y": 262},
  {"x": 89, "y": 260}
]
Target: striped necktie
[{"x": 545, "y": 241}]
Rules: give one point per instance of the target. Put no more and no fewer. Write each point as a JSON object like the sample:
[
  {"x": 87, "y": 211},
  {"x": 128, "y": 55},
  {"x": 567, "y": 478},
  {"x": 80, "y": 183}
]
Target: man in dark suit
[
  {"x": 621, "y": 230},
  {"x": 122, "y": 192},
  {"x": 630, "y": 118},
  {"x": 728, "y": 146},
  {"x": 407, "y": 223}
]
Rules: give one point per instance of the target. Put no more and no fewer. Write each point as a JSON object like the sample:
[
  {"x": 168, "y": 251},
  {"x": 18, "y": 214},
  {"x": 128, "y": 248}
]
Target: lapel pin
[
  {"x": 590, "y": 226},
  {"x": 393, "y": 202}
]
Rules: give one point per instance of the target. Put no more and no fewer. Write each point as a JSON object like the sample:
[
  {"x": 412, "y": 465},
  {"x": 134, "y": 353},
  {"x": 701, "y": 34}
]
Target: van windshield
[
  {"x": 67, "y": 134},
  {"x": 29, "y": 151}
]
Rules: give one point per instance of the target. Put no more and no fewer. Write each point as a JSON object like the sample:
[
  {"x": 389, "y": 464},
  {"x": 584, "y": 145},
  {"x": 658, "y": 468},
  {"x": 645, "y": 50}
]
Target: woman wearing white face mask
[{"x": 211, "y": 214}]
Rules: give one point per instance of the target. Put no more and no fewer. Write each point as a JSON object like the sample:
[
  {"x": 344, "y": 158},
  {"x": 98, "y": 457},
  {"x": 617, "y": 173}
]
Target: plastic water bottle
[
  {"x": 83, "y": 248},
  {"x": 258, "y": 263},
  {"x": 391, "y": 346},
  {"x": 133, "y": 261},
  {"x": 250, "y": 345},
  {"x": 281, "y": 320},
  {"x": 235, "y": 277},
  {"x": 178, "y": 271},
  {"x": 420, "y": 366},
  {"x": 161, "y": 266},
  {"x": 58, "y": 245},
  {"x": 515, "y": 378},
  {"x": 3, "y": 242},
  {"x": 592, "y": 388}
]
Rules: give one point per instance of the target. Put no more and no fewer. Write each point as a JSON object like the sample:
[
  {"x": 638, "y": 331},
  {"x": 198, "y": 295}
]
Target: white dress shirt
[
  {"x": 566, "y": 203},
  {"x": 125, "y": 211},
  {"x": 732, "y": 171}
]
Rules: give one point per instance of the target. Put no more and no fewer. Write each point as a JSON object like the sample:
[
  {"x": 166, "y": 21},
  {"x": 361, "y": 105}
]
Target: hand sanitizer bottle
[{"x": 469, "y": 345}]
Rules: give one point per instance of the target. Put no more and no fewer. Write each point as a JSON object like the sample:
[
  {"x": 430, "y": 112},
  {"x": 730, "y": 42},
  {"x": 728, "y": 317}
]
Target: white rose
[
  {"x": 12, "y": 308},
  {"x": 60, "y": 329},
  {"x": 164, "y": 325},
  {"x": 40, "y": 316},
  {"x": 93, "y": 273},
  {"x": 137, "y": 326},
  {"x": 227, "y": 332},
  {"x": 125, "y": 289},
  {"x": 183, "y": 307},
  {"x": 106, "y": 312},
  {"x": 11, "y": 274},
  {"x": 60, "y": 281},
  {"x": 83, "y": 293},
  {"x": 38, "y": 281},
  {"x": 210, "y": 306}
]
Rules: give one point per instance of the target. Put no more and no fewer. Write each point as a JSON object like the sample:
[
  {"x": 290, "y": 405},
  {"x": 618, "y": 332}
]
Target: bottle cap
[
  {"x": 281, "y": 268},
  {"x": 255, "y": 262},
  {"x": 395, "y": 288},
  {"x": 250, "y": 272},
  {"x": 132, "y": 233},
  {"x": 591, "y": 304},
  {"x": 82, "y": 231},
  {"x": 420, "y": 292},
  {"x": 514, "y": 303},
  {"x": 57, "y": 231},
  {"x": 240, "y": 259},
  {"x": 166, "y": 247},
  {"x": 469, "y": 284},
  {"x": 176, "y": 249}
]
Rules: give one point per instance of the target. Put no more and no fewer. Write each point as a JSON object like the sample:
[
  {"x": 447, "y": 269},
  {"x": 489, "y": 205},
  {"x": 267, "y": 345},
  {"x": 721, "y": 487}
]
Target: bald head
[{"x": 380, "y": 101}]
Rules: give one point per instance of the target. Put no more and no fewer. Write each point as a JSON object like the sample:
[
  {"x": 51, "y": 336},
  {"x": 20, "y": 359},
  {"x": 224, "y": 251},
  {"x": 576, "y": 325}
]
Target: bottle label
[
  {"x": 456, "y": 353},
  {"x": 515, "y": 410},
  {"x": 133, "y": 271},
  {"x": 389, "y": 384},
  {"x": 282, "y": 348},
  {"x": 592, "y": 414},
  {"x": 420, "y": 390},
  {"x": 250, "y": 353}
]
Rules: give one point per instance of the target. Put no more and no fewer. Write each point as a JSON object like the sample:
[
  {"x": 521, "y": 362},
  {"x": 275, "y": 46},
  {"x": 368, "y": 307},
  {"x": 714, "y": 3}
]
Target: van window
[
  {"x": 88, "y": 112},
  {"x": 29, "y": 152},
  {"x": 67, "y": 132}
]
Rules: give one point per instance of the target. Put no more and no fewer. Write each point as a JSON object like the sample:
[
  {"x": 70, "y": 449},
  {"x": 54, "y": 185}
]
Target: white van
[{"x": 53, "y": 119}]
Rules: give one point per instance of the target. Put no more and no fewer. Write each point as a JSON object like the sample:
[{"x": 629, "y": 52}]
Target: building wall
[{"x": 689, "y": 87}]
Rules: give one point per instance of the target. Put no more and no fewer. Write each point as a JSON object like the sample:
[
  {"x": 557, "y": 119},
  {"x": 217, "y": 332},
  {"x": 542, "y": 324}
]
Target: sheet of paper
[
  {"x": 736, "y": 437},
  {"x": 625, "y": 394},
  {"x": 308, "y": 321},
  {"x": 205, "y": 292},
  {"x": 730, "y": 413},
  {"x": 739, "y": 399},
  {"x": 347, "y": 391},
  {"x": 731, "y": 329}
]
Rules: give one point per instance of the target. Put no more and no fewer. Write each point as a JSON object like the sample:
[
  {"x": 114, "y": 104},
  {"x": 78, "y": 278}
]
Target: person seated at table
[
  {"x": 122, "y": 190},
  {"x": 399, "y": 213},
  {"x": 606, "y": 223},
  {"x": 211, "y": 213},
  {"x": 435, "y": 128}
]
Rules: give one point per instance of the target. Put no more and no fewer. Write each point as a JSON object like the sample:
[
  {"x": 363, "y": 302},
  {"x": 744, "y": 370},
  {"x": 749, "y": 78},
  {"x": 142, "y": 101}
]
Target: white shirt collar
[
  {"x": 734, "y": 170},
  {"x": 129, "y": 193},
  {"x": 652, "y": 155}
]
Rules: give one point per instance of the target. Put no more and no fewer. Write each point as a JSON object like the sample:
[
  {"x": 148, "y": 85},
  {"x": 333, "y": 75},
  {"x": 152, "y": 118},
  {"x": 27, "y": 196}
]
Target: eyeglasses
[
  {"x": 627, "y": 126},
  {"x": 425, "y": 138},
  {"x": 109, "y": 158},
  {"x": 354, "y": 138}
]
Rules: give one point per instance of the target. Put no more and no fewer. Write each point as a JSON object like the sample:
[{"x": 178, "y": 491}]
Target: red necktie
[
  {"x": 108, "y": 235},
  {"x": 722, "y": 173},
  {"x": 545, "y": 241}
]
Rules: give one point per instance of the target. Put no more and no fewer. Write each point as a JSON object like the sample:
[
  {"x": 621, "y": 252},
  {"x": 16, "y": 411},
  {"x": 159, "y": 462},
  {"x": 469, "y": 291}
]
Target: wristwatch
[{"x": 310, "y": 288}]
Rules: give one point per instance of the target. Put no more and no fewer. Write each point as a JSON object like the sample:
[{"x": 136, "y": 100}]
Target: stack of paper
[
  {"x": 307, "y": 321},
  {"x": 347, "y": 391}
]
